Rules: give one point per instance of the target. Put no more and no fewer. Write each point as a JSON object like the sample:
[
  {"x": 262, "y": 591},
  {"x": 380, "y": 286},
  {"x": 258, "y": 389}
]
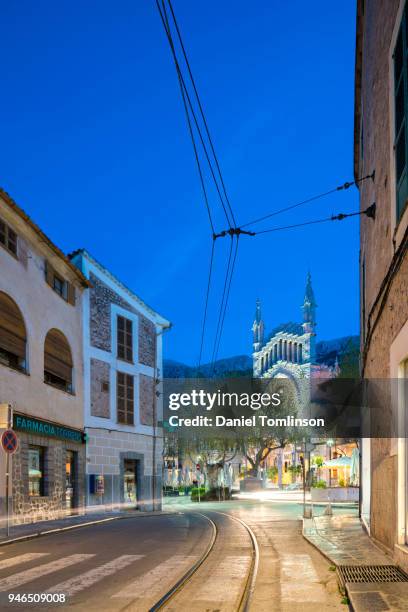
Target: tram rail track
[{"x": 183, "y": 582}]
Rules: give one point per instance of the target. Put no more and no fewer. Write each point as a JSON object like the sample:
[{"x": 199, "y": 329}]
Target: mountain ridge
[{"x": 327, "y": 351}]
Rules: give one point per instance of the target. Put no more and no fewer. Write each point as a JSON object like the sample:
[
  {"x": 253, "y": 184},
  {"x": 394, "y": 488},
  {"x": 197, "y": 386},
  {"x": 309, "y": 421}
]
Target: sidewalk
[
  {"x": 343, "y": 541},
  {"x": 34, "y": 530}
]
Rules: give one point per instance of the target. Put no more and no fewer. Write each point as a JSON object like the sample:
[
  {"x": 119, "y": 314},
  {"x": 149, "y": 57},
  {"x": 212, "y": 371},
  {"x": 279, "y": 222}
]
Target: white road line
[
  {"x": 16, "y": 580},
  {"x": 299, "y": 580},
  {"x": 226, "y": 580},
  {"x": 83, "y": 581},
  {"x": 20, "y": 559},
  {"x": 150, "y": 583}
]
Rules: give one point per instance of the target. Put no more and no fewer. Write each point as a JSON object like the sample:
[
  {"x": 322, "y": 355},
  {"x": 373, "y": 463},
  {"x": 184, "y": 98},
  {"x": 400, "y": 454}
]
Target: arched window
[
  {"x": 280, "y": 356},
  {"x": 285, "y": 350},
  {"x": 295, "y": 350},
  {"x": 300, "y": 353},
  {"x": 289, "y": 351},
  {"x": 13, "y": 338},
  {"x": 275, "y": 353},
  {"x": 57, "y": 361}
]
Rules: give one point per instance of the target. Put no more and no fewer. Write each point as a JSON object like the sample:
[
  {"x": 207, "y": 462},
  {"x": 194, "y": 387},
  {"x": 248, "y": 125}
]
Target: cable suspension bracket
[{"x": 233, "y": 231}]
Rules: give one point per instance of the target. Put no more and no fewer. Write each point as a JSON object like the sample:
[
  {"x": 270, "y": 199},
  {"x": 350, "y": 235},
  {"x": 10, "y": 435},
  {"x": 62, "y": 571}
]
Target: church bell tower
[
  {"x": 258, "y": 328},
  {"x": 309, "y": 315}
]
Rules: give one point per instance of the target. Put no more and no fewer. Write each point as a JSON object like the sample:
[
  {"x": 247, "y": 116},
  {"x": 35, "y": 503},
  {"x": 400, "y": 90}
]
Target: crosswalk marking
[
  {"x": 150, "y": 582},
  {"x": 21, "y": 559},
  {"x": 83, "y": 581},
  {"x": 226, "y": 580},
  {"x": 299, "y": 580},
  {"x": 16, "y": 580}
]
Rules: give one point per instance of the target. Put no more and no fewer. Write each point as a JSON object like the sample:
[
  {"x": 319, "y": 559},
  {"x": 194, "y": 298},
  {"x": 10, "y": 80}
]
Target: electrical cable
[
  {"x": 201, "y": 111},
  {"x": 370, "y": 212},
  {"x": 226, "y": 299},
  {"x": 312, "y": 199},
  {"x": 233, "y": 230},
  {"x": 166, "y": 26},
  {"x": 190, "y": 127},
  {"x": 222, "y": 301},
  {"x": 206, "y": 305}
]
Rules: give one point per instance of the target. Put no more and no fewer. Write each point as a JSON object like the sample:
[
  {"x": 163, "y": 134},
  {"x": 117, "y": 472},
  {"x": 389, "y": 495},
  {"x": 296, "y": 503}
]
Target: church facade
[{"x": 289, "y": 350}]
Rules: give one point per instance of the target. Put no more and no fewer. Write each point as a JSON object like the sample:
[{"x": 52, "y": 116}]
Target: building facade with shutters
[
  {"x": 381, "y": 144},
  {"x": 41, "y": 370},
  {"x": 122, "y": 366}
]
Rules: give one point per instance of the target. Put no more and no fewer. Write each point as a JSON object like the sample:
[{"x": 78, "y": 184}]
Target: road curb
[
  {"x": 38, "y": 534},
  {"x": 325, "y": 555}
]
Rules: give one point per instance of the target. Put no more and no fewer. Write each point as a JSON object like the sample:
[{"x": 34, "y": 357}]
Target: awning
[{"x": 339, "y": 462}]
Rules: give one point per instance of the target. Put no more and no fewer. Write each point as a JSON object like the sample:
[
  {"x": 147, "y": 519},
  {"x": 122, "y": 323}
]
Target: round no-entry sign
[{"x": 9, "y": 441}]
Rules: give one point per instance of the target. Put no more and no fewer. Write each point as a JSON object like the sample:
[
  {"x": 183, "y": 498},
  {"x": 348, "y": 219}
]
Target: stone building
[
  {"x": 381, "y": 144},
  {"x": 122, "y": 364},
  {"x": 289, "y": 351},
  {"x": 41, "y": 369},
  {"x": 290, "y": 348}
]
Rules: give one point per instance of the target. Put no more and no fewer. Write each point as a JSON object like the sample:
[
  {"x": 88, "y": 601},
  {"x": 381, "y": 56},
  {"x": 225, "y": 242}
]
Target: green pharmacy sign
[{"x": 44, "y": 428}]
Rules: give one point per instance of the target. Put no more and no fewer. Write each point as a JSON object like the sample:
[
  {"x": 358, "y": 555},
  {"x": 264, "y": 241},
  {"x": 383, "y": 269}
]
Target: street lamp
[{"x": 330, "y": 442}]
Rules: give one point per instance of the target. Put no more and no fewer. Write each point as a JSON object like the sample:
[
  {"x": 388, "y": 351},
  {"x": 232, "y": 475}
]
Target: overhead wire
[
  {"x": 224, "y": 291},
  {"x": 370, "y": 212},
  {"x": 188, "y": 107},
  {"x": 163, "y": 15},
  {"x": 207, "y": 296},
  {"x": 202, "y": 112},
  {"x": 226, "y": 301},
  {"x": 168, "y": 32},
  {"x": 234, "y": 231},
  {"x": 342, "y": 187}
]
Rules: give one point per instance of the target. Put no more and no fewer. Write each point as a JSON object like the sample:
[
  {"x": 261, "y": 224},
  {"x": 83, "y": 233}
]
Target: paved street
[
  {"x": 131, "y": 563},
  {"x": 106, "y": 566}
]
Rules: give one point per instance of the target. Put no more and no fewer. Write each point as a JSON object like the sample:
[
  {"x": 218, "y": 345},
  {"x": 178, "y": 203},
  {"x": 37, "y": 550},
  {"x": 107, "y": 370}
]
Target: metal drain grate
[{"x": 371, "y": 573}]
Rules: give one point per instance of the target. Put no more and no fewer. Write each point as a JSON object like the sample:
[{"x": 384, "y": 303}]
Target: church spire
[
  {"x": 309, "y": 307},
  {"x": 258, "y": 327},
  {"x": 258, "y": 313}
]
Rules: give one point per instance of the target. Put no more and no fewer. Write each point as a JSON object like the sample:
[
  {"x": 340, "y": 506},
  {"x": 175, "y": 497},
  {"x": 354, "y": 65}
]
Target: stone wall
[
  {"x": 146, "y": 399},
  {"x": 377, "y": 247},
  {"x": 28, "y": 509},
  {"x": 147, "y": 342},
  {"x": 100, "y": 371},
  {"x": 101, "y": 298},
  {"x": 107, "y": 451}
]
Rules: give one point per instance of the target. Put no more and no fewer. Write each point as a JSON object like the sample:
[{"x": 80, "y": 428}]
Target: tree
[
  {"x": 318, "y": 461},
  {"x": 260, "y": 441}
]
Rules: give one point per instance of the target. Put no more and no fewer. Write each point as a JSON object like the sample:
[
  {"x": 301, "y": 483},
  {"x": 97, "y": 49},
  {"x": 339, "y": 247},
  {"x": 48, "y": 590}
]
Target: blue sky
[{"x": 95, "y": 148}]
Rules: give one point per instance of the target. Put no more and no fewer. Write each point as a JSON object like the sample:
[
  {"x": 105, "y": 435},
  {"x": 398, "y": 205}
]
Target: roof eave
[
  {"x": 159, "y": 319},
  {"x": 23, "y": 215}
]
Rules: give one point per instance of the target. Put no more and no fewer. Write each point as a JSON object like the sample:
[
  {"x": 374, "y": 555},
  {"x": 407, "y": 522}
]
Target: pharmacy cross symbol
[{"x": 9, "y": 441}]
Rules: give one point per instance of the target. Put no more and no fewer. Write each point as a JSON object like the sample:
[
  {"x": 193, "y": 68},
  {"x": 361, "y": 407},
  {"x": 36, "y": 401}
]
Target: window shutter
[
  {"x": 23, "y": 252},
  {"x": 49, "y": 274},
  {"x": 70, "y": 293},
  {"x": 57, "y": 355},
  {"x": 12, "y": 328}
]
